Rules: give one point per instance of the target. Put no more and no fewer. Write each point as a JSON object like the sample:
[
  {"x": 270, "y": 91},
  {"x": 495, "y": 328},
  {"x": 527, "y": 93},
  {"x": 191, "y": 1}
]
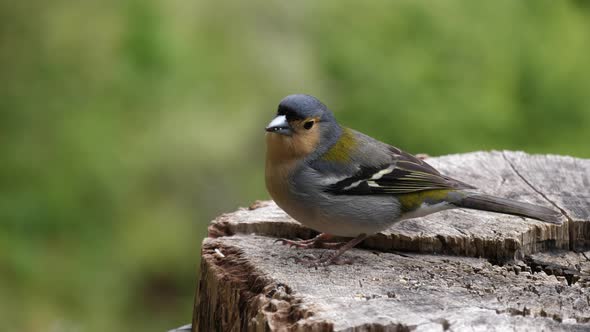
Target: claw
[
  {"x": 297, "y": 243},
  {"x": 319, "y": 241},
  {"x": 332, "y": 258},
  {"x": 280, "y": 240}
]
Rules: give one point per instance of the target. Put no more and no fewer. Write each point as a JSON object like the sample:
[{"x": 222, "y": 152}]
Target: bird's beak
[{"x": 279, "y": 125}]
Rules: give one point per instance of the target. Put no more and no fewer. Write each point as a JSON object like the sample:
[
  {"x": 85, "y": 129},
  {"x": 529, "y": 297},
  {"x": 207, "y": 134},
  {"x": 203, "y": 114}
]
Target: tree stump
[{"x": 454, "y": 270}]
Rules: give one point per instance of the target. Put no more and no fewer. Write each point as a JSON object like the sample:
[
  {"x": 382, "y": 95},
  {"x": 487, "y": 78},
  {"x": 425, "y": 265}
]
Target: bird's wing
[{"x": 402, "y": 174}]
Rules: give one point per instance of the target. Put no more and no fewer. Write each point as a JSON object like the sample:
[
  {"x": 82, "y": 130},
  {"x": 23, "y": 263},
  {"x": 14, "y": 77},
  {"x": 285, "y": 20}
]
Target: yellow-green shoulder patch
[{"x": 340, "y": 152}]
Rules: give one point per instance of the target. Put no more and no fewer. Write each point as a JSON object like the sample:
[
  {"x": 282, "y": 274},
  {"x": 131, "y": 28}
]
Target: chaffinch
[{"x": 341, "y": 182}]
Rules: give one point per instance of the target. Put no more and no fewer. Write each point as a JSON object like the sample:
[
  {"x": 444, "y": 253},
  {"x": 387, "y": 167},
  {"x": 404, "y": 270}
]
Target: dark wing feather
[{"x": 405, "y": 174}]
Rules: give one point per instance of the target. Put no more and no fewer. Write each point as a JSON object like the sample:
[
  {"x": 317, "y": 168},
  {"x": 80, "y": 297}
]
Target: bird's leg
[
  {"x": 316, "y": 242},
  {"x": 333, "y": 258}
]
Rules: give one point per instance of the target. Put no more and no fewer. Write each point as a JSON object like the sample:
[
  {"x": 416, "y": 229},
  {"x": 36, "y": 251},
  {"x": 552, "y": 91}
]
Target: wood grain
[{"x": 255, "y": 287}]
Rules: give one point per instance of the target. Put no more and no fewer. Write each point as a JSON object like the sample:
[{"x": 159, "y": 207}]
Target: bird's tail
[{"x": 502, "y": 205}]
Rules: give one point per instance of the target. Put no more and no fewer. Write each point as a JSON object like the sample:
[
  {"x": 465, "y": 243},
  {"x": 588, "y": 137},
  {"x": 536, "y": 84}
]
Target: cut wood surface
[
  {"x": 248, "y": 284},
  {"x": 454, "y": 270}
]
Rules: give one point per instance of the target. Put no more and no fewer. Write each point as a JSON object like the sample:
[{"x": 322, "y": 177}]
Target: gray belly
[{"x": 344, "y": 215}]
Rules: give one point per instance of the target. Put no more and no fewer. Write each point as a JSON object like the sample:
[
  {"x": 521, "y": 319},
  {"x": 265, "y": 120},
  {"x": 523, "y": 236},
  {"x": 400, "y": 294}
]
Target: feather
[{"x": 403, "y": 174}]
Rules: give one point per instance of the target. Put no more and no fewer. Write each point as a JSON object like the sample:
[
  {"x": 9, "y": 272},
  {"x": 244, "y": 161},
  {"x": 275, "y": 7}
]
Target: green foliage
[{"x": 125, "y": 126}]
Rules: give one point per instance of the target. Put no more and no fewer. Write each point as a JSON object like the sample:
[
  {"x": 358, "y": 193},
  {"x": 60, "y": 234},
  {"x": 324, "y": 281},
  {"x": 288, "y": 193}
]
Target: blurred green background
[{"x": 125, "y": 126}]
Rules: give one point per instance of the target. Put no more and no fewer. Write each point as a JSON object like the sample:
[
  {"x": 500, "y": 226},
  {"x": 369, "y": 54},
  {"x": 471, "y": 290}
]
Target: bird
[{"x": 341, "y": 182}]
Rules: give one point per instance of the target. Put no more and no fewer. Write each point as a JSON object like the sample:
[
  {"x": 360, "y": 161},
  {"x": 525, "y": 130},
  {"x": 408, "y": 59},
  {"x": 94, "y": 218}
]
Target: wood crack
[
  {"x": 571, "y": 274},
  {"x": 570, "y": 221}
]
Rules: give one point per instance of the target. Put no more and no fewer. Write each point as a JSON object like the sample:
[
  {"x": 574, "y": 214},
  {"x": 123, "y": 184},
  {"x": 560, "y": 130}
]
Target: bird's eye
[{"x": 308, "y": 125}]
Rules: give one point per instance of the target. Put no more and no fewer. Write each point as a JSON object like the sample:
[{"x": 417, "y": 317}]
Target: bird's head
[{"x": 301, "y": 125}]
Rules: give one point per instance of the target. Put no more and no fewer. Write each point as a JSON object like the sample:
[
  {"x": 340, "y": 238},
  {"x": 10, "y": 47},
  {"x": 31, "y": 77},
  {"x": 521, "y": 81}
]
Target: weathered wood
[
  {"x": 250, "y": 285},
  {"x": 565, "y": 182},
  {"x": 571, "y": 266},
  {"x": 501, "y": 275}
]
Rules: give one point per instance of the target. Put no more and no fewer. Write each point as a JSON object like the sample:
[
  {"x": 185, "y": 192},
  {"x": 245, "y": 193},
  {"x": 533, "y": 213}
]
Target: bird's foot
[
  {"x": 332, "y": 258},
  {"x": 297, "y": 243},
  {"x": 316, "y": 242}
]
